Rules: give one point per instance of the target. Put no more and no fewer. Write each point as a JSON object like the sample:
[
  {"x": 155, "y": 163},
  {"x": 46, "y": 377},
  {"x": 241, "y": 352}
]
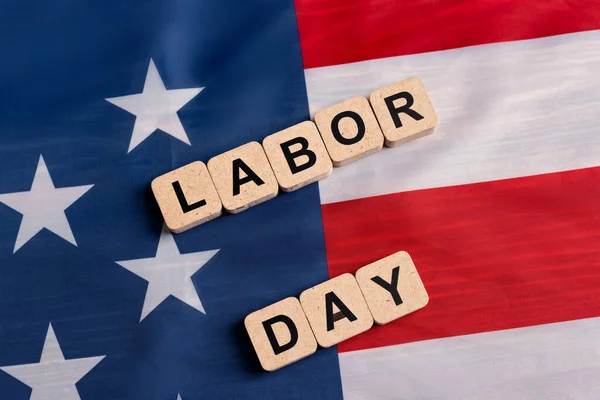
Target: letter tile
[
  {"x": 349, "y": 130},
  {"x": 243, "y": 177},
  {"x": 280, "y": 334},
  {"x": 336, "y": 310},
  {"x": 404, "y": 111},
  {"x": 186, "y": 197},
  {"x": 392, "y": 287},
  {"x": 298, "y": 156}
]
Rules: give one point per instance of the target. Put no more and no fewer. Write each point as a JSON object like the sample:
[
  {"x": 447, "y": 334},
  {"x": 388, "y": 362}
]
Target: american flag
[{"x": 499, "y": 207}]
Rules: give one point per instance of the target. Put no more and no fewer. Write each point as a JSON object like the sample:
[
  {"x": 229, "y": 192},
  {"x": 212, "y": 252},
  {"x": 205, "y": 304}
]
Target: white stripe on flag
[
  {"x": 505, "y": 110},
  {"x": 555, "y": 361}
]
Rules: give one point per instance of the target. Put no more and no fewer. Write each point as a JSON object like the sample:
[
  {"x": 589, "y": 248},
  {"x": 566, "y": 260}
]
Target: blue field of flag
[{"x": 97, "y": 300}]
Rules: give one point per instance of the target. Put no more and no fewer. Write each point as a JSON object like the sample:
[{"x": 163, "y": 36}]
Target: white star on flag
[
  {"x": 53, "y": 377},
  {"x": 156, "y": 108},
  {"x": 43, "y": 206},
  {"x": 169, "y": 273}
]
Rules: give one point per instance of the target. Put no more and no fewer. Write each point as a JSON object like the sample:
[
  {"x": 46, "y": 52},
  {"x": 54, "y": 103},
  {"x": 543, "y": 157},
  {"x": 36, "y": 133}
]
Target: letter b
[
  {"x": 291, "y": 157},
  {"x": 298, "y": 156}
]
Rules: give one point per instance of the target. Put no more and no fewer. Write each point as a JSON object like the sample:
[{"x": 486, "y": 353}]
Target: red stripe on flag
[
  {"x": 493, "y": 255},
  {"x": 341, "y": 31}
]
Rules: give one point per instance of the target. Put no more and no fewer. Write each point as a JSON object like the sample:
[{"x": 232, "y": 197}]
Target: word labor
[
  {"x": 336, "y": 310},
  {"x": 294, "y": 157}
]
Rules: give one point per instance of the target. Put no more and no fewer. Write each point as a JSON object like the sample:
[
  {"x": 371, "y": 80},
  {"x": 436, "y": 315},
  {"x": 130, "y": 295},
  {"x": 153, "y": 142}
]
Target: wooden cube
[
  {"x": 404, "y": 111},
  {"x": 349, "y": 130},
  {"x": 392, "y": 287},
  {"x": 280, "y": 334},
  {"x": 243, "y": 177},
  {"x": 186, "y": 197},
  {"x": 298, "y": 156},
  {"x": 336, "y": 310}
]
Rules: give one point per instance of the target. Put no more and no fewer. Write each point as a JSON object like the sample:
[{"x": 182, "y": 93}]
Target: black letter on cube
[
  {"x": 303, "y": 151},
  {"x": 390, "y": 287},
  {"x": 268, "y": 325},
  {"x": 251, "y": 176},
  {"x": 185, "y": 206},
  {"x": 360, "y": 127},
  {"x": 330, "y": 300},
  {"x": 396, "y": 111}
]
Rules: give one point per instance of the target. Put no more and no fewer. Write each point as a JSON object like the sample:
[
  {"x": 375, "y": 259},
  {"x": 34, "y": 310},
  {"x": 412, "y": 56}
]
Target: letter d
[{"x": 268, "y": 326}]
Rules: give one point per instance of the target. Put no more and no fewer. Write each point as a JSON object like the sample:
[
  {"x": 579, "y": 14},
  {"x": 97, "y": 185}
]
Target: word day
[
  {"x": 294, "y": 157},
  {"x": 336, "y": 310}
]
